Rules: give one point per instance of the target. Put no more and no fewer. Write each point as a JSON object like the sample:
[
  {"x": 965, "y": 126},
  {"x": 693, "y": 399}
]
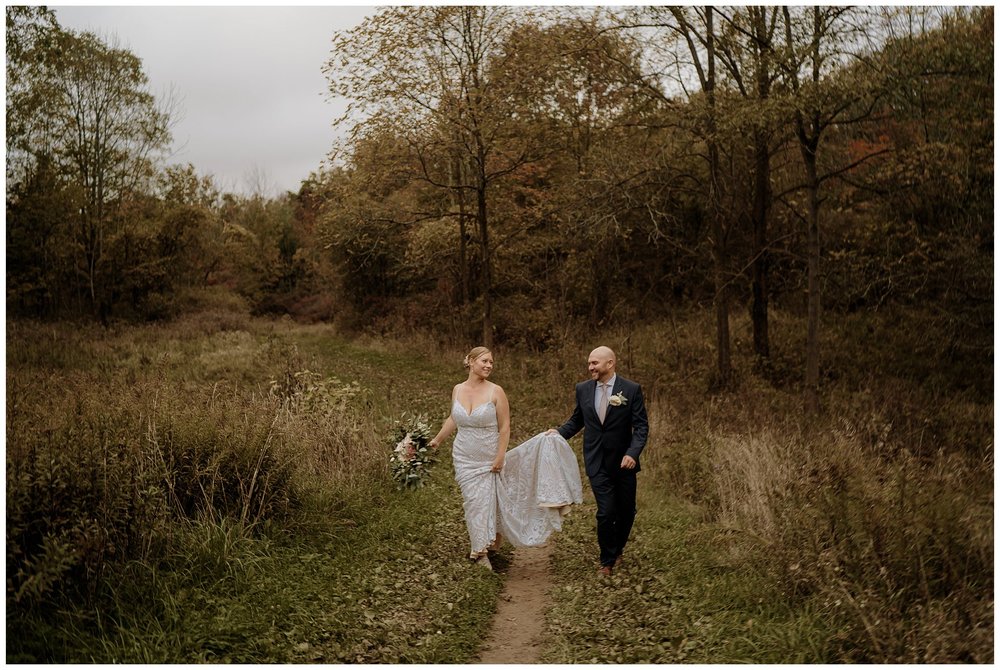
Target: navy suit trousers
[{"x": 614, "y": 490}]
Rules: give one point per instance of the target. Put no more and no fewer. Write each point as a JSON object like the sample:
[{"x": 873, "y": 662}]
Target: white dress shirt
[{"x": 597, "y": 390}]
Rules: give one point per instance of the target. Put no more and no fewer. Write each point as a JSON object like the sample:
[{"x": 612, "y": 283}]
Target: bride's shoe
[{"x": 485, "y": 562}]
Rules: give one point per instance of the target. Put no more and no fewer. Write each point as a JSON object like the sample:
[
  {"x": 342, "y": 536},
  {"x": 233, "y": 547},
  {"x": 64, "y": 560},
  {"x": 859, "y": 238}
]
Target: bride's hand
[{"x": 497, "y": 465}]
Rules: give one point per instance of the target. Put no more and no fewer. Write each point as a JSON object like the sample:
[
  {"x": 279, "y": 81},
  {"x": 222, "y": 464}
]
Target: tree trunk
[
  {"x": 719, "y": 252},
  {"x": 458, "y": 177},
  {"x": 484, "y": 244},
  {"x": 599, "y": 293},
  {"x": 762, "y": 196},
  {"x": 724, "y": 357},
  {"x": 762, "y": 192},
  {"x": 809, "y": 145},
  {"x": 475, "y": 107},
  {"x": 813, "y": 251}
]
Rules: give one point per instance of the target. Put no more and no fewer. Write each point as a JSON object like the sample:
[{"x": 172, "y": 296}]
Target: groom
[{"x": 611, "y": 412}]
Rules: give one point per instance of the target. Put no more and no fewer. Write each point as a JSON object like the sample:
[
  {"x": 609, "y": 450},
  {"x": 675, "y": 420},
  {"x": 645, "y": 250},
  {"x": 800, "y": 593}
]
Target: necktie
[{"x": 602, "y": 406}]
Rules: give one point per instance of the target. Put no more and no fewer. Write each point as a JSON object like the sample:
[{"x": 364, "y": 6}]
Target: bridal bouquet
[{"x": 411, "y": 456}]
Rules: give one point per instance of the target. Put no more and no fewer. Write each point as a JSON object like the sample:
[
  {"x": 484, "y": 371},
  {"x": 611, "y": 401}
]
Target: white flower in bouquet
[
  {"x": 411, "y": 455},
  {"x": 404, "y": 448}
]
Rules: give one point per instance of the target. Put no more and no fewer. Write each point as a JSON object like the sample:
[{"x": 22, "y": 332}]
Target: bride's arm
[
  {"x": 503, "y": 427},
  {"x": 447, "y": 428}
]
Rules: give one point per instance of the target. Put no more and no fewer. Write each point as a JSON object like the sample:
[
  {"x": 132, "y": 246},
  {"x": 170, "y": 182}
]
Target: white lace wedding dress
[{"x": 526, "y": 501}]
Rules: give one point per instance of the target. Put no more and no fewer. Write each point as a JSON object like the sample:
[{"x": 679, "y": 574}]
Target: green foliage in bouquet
[{"x": 411, "y": 456}]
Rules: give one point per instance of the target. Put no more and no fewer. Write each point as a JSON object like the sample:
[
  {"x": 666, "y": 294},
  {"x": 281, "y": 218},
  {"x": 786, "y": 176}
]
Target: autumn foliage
[{"x": 782, "y": 217}]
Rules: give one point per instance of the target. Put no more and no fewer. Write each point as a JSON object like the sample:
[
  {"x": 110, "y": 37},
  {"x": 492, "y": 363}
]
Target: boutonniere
[{"x": 618, "y": 399}]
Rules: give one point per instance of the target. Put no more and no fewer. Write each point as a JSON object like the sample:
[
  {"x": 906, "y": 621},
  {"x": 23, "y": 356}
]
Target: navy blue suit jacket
[{"x": 623, "y": 432}]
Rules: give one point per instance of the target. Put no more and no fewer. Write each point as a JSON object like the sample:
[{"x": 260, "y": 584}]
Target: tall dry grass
[
  {"x": 875, "y": 515},
  {"x": 878, "y": 512},
  {"x": 117, "y": 442}
]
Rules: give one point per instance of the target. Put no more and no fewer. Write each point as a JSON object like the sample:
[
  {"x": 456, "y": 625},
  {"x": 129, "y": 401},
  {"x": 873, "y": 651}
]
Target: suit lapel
[
  {"x": 617, "y": 388},
  {"x": 592, "y": 401},
  {"x": 589, "y": 400}
]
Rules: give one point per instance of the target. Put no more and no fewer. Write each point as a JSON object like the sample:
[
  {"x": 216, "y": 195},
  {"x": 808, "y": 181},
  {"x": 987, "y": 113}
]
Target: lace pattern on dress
[{"x": 527, "y": 500}]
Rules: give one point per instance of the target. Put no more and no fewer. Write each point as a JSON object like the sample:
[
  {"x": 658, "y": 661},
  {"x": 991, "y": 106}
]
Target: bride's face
[{"x": 483, "y": 366}]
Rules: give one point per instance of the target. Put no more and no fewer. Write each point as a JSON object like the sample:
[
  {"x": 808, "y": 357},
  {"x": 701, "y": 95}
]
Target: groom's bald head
[
  {"x": 601, "y": 363},
  {"x": 603, "y": 353}
]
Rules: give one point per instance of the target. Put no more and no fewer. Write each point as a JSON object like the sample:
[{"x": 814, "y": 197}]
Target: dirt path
[{"x": 517, "y": 627}]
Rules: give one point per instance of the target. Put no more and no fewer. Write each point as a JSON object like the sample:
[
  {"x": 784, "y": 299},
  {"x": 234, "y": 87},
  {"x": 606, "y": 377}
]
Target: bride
[{"x": 520, "y": 494}]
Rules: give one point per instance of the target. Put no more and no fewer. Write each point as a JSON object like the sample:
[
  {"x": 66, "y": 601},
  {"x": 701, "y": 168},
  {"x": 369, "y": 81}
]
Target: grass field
[
  {"x": 216, "y": 489},
  {"x": 338, "y": 567}
]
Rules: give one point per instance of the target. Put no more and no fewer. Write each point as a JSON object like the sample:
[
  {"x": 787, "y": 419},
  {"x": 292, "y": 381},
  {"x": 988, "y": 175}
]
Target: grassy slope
[
  {"x": 379, "y": 575},
  {"x": 380, "y": 579},
  {"x": 383, "y": 592},
  {"x": 676, "y": 599}
]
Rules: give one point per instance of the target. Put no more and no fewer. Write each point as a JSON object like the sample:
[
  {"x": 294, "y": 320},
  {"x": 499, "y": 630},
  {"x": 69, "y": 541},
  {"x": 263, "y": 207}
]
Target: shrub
[
  {"x": 109, "y": 459},
  {"x": 222, "y": 459},
  {"x": 77, "y": 497}
]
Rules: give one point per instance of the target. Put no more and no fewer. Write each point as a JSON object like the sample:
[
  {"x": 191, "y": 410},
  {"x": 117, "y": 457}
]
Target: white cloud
[{"x": 249, "y": 79}]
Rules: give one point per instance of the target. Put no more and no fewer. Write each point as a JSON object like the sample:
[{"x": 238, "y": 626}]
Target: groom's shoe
[{"x": 604, "y": 571}]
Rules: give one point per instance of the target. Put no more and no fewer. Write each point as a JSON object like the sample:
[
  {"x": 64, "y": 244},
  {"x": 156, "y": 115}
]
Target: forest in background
[
  {"x": 512, "y": 175},
  {"x": 762, "y": 209}
]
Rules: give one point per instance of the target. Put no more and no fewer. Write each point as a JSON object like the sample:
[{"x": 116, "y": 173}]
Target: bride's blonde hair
[{"x": 473, "y": 355}]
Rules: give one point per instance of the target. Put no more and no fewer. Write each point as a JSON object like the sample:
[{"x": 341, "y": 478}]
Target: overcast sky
[{"x": 249, "y": 80}]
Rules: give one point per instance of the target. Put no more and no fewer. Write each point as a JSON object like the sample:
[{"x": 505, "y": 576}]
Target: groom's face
[{"x": 601, "y": 367}]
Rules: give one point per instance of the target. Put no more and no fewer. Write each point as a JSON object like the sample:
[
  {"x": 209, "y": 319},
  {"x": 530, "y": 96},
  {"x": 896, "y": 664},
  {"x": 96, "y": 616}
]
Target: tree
[
  {"x": 435, "y": 76},
  {"x": 41, "y": 212},
  {"x": 943, "y": 138},
  {"x": 748, "y": 54},
  {"x": 824, "y": 94},
  {"x": 108, "y": 130},
  {"x": 694, "y": 29},
  {"x": 190, "y": 230},
  {"x": 368, "y": 216},
  {"x": 607, "y": 183},
  {"x": 80, "y": 114},
  {"x": 31, "y": 32},
  {"x": 927, "y": 235}
]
